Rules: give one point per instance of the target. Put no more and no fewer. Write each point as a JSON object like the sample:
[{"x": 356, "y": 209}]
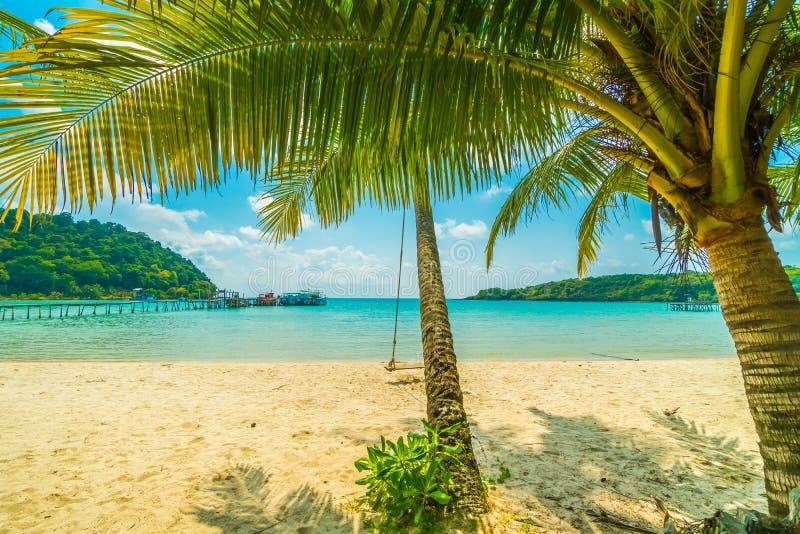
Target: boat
[
  {"x": 140, "y": 295},
  {"x": 303, "y": 298},
  {"x": 266, "y": 299}
]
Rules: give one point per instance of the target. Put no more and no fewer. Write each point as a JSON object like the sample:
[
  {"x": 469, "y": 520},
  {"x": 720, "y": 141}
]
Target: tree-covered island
[
  {"x": 622, "y": 288},
  {"x": 58, "y": 257}
]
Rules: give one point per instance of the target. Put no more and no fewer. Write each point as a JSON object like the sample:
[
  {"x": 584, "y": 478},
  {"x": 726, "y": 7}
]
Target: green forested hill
[
  {"x": 622, "y": 287},
  {"x": 59, "y": 257}
]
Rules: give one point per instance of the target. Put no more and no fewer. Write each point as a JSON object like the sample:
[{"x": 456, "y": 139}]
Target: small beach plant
[
  {"x": 503, "y": 473},
  {"x": 408, "y": 481}
]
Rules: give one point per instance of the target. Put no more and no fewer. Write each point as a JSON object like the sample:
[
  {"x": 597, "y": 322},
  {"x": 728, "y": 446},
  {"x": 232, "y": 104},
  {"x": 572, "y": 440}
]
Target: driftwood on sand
[{"x": 742, "y": 521}]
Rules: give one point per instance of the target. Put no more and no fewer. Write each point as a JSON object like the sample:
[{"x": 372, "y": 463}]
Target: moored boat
[
  {"x": 303, "y": 298},
  {"x": 266, "y": 299}
]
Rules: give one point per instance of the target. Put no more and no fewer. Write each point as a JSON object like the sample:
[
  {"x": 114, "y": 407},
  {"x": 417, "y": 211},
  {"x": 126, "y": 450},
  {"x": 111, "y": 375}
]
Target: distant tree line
[
  {"x": 58, "y": 257},
  {"x": 623, "y": 287}
]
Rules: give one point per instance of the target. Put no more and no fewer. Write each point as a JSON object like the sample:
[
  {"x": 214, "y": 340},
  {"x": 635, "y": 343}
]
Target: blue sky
[{"x": 218, "y": 232}]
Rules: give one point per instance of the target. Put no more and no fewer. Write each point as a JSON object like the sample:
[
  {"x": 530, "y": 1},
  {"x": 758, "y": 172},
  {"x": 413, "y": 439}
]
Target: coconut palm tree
[
  {"x": 445, "y": 401},
  {"x": 312, "y": 183},
  {"x": 695, "y": 99},
  {"x": 690, "y": 103}
]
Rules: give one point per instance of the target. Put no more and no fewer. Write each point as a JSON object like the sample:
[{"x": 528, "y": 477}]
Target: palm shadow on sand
[
  {"x": 241, "y": 501},
  {"x": 617, "y": 473},
  {"x": 611, "y": 471}
]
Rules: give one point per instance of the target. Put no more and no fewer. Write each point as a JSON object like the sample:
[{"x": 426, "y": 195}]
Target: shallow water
[{"x": 361, "y": 330}]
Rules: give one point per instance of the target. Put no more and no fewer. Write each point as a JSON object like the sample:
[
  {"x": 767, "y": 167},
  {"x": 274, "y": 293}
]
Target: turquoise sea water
[{"x": 361, "y": 330}]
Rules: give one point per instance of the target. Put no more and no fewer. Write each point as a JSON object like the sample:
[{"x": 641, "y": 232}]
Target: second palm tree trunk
[
  {"x": 442, "y": 387},
  {"x": 763, "y": 315}
]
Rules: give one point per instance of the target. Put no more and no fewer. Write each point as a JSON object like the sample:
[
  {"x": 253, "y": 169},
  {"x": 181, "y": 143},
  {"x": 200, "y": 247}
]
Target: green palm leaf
[
  {"x": 609, "y": 202},
  {"x": 319, "y": 184},
  {"x": 178, "y": 99},
  {"x": 16, "y": 30},
  {"x": 786, "y": 180},
  {"x": 600, "y": 162}
]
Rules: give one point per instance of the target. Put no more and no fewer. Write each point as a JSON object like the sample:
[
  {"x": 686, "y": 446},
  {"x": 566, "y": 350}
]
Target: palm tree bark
[
  {"x": 442, "y": 387},
  {"x": 762, "y": 312}
]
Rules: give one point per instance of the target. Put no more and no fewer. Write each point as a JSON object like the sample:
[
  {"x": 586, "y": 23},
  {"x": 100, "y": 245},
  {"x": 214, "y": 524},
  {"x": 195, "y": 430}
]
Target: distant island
[
  {"x": 622, "y": 288},
  {"x": 58, "y": 257}
]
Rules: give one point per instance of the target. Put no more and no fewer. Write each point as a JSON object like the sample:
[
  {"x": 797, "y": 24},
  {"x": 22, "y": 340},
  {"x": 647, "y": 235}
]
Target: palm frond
[
  {"x": 333, "y": 191},
  {"x": 201, "y": 90},
  {"x": 284, "y": 205},
  {"x": 609, "y": 202},
  {"x": 786, "y": 181},
  {"x": 680, "y": 255},
  {"x": 16, "y": 31},
  {"x": 578, "y": 167}
]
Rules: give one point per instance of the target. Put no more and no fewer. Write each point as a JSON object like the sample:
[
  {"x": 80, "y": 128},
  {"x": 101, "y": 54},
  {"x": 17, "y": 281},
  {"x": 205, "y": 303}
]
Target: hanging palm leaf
[
  {"x": 176, "y": 100},
  {"x": 16, "y": 31}
]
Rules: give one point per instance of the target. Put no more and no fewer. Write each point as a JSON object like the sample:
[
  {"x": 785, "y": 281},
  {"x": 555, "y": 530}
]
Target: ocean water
[{"x": 361, "y": 330}]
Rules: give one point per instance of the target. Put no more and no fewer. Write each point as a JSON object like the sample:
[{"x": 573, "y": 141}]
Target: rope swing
[{"x": 393, "y": 365}]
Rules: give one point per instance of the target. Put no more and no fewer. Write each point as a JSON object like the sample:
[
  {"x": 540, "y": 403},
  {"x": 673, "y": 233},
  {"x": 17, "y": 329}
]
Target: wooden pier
[
  {"x": 13, "y": 312},
  {"x": 222, "y": 299},
  {"x": 693, "y": 306}
]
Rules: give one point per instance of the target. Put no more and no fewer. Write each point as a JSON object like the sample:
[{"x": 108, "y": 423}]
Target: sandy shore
[{"x": 193, "y": 447}]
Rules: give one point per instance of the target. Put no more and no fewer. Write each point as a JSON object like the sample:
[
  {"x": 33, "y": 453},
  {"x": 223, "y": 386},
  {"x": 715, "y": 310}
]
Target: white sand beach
[{"x": 218, "y": 447}]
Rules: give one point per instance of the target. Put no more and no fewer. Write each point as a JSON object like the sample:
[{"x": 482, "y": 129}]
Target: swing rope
[{"x": 392, "y": 366}]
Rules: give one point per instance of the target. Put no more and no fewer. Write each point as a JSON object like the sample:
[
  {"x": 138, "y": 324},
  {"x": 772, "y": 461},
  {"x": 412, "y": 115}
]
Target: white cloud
[
  {"x": 235, "y": 257},
  {"x": 156, "y": 216},
  {"x": 249, "y": 231},
  {"x": 787, "y": 240},
  {"x": 647, "y": 226},
  {"x": 196, "y": 242},
  {"x": 259, "y": 202},
  {"x": 172, "y": 228},
  {"x": 629, "y": 237},
  {"x": 193, "y": 215},
  {"x": 45, "y": 25},
  {"x": 611, "y": 262},
  {"x": 494, "y": 191},
  {"x": 240, "y": 260},
  {"x": 475, "y": 230},
  {"x": 209, "y": 263},
  {"x": 441, "y": 228},
  {"x": 307, "y": 220},
  {"x": 209, "y": 249},
  {"x": 340, "y": 271},
  {"x": 336, "y": 255},
  {"x": 544, "y": 271}
]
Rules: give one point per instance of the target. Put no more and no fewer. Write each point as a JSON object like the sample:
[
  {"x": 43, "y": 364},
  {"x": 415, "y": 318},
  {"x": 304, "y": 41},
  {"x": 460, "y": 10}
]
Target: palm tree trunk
[
  {"x": 442, "y": 388},
  {"x": 763, "y": 315}
]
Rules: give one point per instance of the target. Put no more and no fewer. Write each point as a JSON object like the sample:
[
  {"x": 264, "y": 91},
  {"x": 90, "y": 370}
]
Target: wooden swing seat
[{"x": 402, "y": 366}]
